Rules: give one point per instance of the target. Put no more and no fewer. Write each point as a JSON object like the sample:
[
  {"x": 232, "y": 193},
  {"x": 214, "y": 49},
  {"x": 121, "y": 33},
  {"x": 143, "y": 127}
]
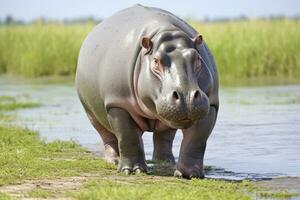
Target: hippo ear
[
  {"x": 146, "y": 43},
  {"x": 198, "y": 41}
]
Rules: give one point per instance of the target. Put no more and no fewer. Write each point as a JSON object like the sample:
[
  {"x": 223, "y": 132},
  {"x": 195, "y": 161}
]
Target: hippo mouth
[
  {"x": 179, "y": 120},
  {"x": 180, "y": 117},
  {"x": 183, "y": 123},
  {"x": 186, "y": 120},
  {"x": 179, "y": 124}
]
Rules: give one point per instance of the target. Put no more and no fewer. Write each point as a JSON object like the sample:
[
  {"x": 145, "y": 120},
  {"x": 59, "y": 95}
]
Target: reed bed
[{"x": 245, "y": 49}]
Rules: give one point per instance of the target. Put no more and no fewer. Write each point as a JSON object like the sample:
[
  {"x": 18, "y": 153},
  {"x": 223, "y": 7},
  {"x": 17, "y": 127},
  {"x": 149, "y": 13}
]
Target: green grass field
[{"x": 246, "y": 49}]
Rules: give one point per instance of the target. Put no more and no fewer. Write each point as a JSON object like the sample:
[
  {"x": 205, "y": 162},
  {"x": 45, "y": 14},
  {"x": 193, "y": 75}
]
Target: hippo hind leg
[
  {"x": 163, "y": 142},
  {"x": 111, "y": 151}
]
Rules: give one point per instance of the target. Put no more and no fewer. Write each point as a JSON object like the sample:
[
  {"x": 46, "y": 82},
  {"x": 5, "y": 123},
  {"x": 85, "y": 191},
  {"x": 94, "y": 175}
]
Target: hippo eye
[
  {"x": 198, "y": 65},
  {"x": 169, "y": 49},
  {"x": 198, "y": 61},
  {"x": 156, "y": 62},
  {"x": 157, "y": 67}
]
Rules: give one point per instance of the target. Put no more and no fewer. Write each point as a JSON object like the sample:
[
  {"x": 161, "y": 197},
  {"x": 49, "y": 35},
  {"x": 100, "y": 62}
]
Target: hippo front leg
[
  {"x": 132, "y": 157},
  {"x": 190, "y": 163},
  {"x": 163, "y": 142}
]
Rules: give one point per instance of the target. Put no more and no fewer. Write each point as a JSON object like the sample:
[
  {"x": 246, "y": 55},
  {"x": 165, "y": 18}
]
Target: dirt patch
[
  {"x": 57, "y": 186},
  {"x": 290, "y": 184}
]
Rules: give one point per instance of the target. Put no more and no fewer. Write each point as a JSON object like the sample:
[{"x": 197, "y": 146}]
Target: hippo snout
[
  {"x": 181, "y": 109},
  {"x": 185, "y": 101}
]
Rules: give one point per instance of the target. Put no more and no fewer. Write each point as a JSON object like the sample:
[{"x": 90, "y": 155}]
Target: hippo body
[{"x": 144, "y": 69}]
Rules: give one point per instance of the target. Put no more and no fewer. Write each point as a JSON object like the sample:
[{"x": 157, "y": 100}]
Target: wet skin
[{"x": 154, "y": 74}]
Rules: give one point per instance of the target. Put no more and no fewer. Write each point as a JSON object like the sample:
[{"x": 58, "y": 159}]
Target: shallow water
[{"x": 257, "y": 134}]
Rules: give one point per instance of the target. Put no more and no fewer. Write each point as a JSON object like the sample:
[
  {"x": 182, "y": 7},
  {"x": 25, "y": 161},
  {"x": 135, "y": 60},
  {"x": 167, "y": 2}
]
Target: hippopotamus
[{"x": 145, "y": 69}]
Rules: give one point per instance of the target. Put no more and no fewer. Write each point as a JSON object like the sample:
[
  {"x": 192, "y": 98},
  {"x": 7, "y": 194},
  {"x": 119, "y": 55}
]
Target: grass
[
  {"x": 244, "y": 50},
  {"x": 8, "y": 103},
  {"x": 161, "y": 189},
  {"x": 6, "y": 117},
  {"x": 24, "y": 156},
  {"x": 40, "y": 193},
  {"x": 4, "y": 196}
]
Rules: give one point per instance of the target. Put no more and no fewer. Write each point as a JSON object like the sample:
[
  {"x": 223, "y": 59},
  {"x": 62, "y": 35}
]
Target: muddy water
[{"x": 257, "y": 134}]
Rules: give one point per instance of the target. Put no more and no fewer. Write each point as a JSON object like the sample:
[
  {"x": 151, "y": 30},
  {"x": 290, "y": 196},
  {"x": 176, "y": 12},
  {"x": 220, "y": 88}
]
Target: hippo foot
[
  {"x": 189, "y": 171},
  {"x": 110, "y": 154},
  {"x": 129, "y": 166}
]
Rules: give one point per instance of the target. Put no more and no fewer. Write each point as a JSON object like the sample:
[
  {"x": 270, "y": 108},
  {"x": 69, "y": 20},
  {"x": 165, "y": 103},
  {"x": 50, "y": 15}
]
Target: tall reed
[
  {"x": 254, "y": 48},
  {"x": 41, "y": 50},
  {"x": 245, "y": 49}
]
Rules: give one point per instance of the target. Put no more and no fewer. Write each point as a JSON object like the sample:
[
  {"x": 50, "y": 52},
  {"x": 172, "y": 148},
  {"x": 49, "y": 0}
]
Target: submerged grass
[
  {"x": 277, "y": 195},
  {"x": 8, "y": 103},
  {"x": 245, "y": 49}
]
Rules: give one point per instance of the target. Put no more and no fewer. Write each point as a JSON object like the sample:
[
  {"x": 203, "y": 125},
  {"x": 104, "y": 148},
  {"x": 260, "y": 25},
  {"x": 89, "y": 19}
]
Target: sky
[{"x": 28, "y": 10}]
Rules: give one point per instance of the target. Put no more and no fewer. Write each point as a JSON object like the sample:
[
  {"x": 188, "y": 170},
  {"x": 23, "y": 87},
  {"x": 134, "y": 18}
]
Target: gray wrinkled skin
[{"x": 144, "y": 69}]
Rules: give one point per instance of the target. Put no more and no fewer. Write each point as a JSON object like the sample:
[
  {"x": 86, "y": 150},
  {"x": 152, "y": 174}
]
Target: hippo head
[{"x": 176, "y": 82}]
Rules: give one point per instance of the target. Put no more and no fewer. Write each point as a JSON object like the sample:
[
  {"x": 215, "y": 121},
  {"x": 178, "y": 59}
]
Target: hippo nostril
[
  {"x": 175, "y": 95},
  {"x": 196, "y": 94}
]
